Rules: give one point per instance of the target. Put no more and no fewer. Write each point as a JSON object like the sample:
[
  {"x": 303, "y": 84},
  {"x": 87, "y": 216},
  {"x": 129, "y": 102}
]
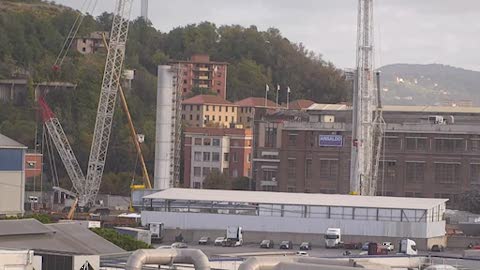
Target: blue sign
[{"x": 331, "y": 140}]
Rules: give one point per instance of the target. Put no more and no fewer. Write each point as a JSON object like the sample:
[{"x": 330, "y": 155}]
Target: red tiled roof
[
  {"x": 255, "y": 102},
  {"x": 213, "y": 131},
  {"x": 206, "y": 99},
  {"x": 300, "y": 104}
]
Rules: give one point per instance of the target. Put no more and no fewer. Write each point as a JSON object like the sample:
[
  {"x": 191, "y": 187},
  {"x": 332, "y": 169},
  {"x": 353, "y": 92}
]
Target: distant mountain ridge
[{"x": 431, "y": 84}]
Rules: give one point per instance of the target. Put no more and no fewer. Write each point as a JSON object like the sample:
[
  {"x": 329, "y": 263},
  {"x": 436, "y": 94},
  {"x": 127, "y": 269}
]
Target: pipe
[
  {"x": 166, "y": 257},
  {"x": 311, "y": 260}
]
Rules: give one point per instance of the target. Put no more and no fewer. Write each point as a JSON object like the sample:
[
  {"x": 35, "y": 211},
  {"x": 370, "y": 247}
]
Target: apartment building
[
  {"x": 429, "y": 151},
  {"x": 208, "y": 111},
  {"x": 200, "y": 72},
  {"x": 247, "y": 107},
  {"x": 226, "y": 150}
]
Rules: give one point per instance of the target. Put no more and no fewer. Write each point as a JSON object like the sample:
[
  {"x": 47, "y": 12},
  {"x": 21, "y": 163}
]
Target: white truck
[
  {"x": 408, "y": 247},
  {"x": 234, "y": 237},
  {"x": 157, "y": 231},
  {"x": 333, "y": 238}
]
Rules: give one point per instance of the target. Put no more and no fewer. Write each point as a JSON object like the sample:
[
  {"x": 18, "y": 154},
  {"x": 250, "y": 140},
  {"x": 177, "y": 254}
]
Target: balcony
[
  {"x": 316, "y": 126},
  {"x": 268, "y": 183}
]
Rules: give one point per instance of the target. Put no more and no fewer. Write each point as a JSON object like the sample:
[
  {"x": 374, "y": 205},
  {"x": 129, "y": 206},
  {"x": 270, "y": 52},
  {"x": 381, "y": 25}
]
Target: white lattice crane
[
  {"x": 367, "y": 131},
  {"x": 63, "y": 147},
  {"x": 106, "y": 104}
]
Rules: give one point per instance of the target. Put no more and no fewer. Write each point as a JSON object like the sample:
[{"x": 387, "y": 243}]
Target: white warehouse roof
[{"x": 295, "y": 198}]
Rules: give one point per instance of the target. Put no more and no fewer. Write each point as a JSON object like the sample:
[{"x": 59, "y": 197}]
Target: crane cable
[{"x": 87, "y": 7}]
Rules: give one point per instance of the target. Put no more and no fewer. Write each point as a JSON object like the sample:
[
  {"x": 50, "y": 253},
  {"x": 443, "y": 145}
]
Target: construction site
[{"x": 356, "y": 218}]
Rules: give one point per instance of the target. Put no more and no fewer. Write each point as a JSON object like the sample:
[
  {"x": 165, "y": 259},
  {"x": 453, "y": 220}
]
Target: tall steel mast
[
  {"x": 362, "y": 170},
  {"x": 106, "y": 104}
]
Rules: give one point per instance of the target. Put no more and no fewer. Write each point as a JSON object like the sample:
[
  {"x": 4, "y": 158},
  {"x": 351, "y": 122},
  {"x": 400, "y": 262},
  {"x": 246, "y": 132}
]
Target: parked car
[
  {"x": 389, "y": 246},
  {"x": 266, "y": 244},
  {"x": 305, "y": 246},
  {"x": 437, "y": 248},
  {"x": 365, "y": 246},
  {"x": 219, "y": 241},
  {"x": 164, "y": 247},
  {"x": 204, "y": 240},
  {"x": 179, "y": 245},
  {"x": 286, "y": 245},
  {"x": 301, "y": 253}
]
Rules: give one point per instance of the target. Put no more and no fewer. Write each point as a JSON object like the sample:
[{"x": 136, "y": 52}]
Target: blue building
[{"x": 12, "y": 177}]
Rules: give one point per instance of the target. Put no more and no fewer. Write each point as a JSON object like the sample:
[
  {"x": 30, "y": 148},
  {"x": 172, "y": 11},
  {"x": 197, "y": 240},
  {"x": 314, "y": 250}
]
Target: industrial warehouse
[{"x": 299, "y": 216}]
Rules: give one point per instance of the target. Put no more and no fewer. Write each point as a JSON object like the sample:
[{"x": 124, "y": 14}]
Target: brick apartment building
[
  {"x": 227, "y": 150},
  {"x": 429, "y": 151},
  {"x": 247, "y": 107},
  {"x": 208, "y": 110},
  {"x": 200, "y": 72}
]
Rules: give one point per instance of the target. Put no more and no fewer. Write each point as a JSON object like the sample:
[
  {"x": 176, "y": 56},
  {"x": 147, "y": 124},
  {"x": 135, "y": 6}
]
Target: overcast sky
[{"x": 406, "y": 31}]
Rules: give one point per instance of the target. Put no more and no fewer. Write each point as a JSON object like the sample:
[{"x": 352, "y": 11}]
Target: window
[
  {"x": 233, "y": 109},
  {"x": 220, "y": 108},
  {"x": 234, "y": 157},
  {"x": 84, "y": 49},
  {"x": 475, "y": 174},
  {"x": 206, "y": 171},
  {"x": 249, "y": 157},
  {"x": 213, "y": 117},
  {"x": 248, "y": 119},
  {"x": 328, "y": 170},
  {"x": 198, "y": 141},
  {"x": 206, "y": 156},
  {"x": 191, "y": 117},
  {"x": 416, "y": 143},
  {"x": 233, "y": 119},
  {"x": 226, "y": 118},
  {"x": 184, "y": 90},
  {"x": 292, "y": 139},
  {"x": 415, "y": 172},
  {"x": 216, "y": 142},
  {"x": 225, "y": 156},
  {"x": 270, "y": 175},
  {"x": 197, "y": 185},
  {"x": 270, "y": 136},
  {"x": 235, "y": 173},
  {"x": 240, "y": 119},
  {"x": 184, "y": 107},
  {"x": 198, "y": 107},
  {"x": 474, "y": 145},
  {"x": 206, "y": 108},
  {"x": 184, "y": 81},
  {"x": 449, "y": 145},
  {"x": 388, "y": 170},
  {"x": 291, "y": 189},
  {"x": 218, "y": 91},
  {"x": 447, "y": 173},
  {"x": 198, "y": 117},
  {"x": 207, "y": 141},
  {"x": 291, "y": 168},
  {"x": 184, "y": 73},
  {"x": 219, "y": 83},
  {"x": 308, "y": 168},
  {"x": 213, "y": 108},
  {"x": 197, "y": 156},
  {"x": 197, "y": 171},
  {"x": 392, "y": 143},
  {"x": 183, "y": 116},
  {"x": 215, "y": 156}
]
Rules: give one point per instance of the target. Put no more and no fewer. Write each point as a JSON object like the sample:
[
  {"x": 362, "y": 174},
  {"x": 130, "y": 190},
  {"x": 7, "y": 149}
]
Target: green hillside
[
  {"x": 433, "y": 84},
  {"x": 32, "y": 33}
]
